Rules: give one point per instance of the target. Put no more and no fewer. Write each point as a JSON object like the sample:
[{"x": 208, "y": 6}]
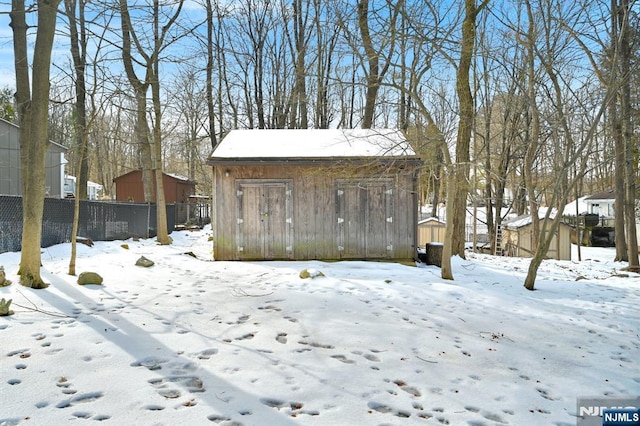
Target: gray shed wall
[{"x": 10, "y": 175}]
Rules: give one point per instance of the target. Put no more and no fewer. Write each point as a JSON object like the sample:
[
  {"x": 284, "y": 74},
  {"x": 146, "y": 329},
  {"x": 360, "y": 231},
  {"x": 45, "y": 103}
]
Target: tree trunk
[
  {"x": 300, "y": 104},
  {"x": 627, "y": 133},
  {"x": 533, "y": 133},
  {"x": 140, "y": 88},
  {"x": 615, "y": 118},
  {"x": 162, "y": 229},
  {"x": 619, "y": 179},
  {"x": 33, "y": 114},
  {"x": 373, "y": 82},
  {"x": 211, "y": 115},
  {"x": 541, "y": 252},
  {"x": 447, "y": 250},
  {"x": 375, "y": 72},
  {"x": 78, "y": 53},
  {"x": 458, "y": 195}
]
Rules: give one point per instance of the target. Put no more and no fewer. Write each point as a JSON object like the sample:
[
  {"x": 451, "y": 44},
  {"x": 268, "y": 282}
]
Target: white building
[{"x": 93, "y": 189}]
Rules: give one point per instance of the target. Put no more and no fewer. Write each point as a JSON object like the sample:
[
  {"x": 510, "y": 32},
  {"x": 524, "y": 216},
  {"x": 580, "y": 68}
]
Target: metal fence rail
[{"x": 99, "y": 220}]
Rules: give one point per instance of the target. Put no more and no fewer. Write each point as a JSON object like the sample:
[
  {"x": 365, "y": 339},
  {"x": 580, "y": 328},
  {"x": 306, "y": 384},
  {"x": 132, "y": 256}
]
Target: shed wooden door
[
  {"x": 365, "y": 219},
  {"x": 264, "y": 219}
]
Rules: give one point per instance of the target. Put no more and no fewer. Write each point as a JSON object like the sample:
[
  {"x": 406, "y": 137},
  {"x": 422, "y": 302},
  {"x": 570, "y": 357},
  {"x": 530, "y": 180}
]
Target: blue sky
[
  {"x": 7, "y": 71},
  {"x": 60, "y": 53},
  {"x": 7, "y": 77}
]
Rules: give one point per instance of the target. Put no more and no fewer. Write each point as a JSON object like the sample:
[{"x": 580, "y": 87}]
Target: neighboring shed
[
  {"x": 431, "y": 230},
  {"x": 177, "y": 189},
  {"x": 10, "y": 174},
  {"x": 517, "y": 239},
  {"x": 315, "y": 194}
]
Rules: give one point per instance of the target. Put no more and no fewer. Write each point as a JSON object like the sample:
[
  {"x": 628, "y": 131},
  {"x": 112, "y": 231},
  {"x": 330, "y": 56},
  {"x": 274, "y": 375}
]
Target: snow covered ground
[{"x": 189, "y": 341}]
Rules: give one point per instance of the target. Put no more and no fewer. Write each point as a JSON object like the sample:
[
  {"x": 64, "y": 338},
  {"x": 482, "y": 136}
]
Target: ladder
[{"x": 499, "y": 241}]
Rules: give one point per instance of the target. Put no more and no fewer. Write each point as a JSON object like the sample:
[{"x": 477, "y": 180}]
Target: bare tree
[
  {"x": 621, "y": 15},
  {"x": 568, "y": 147},
  {"x": 301, "y": 33},
  {"x": 615, "y": 75},
  {"x": 161, "y": 38},
  {"x": 375, "y": 71},
  {"x": 32, "y": 98},
  {"x": 458, "y": 176},
  {"x": 326, "y": 40},
  {"x": 209, "y": 75},
  {"x": 78, "y": 43},
  {"x": 140, "y": 87}
]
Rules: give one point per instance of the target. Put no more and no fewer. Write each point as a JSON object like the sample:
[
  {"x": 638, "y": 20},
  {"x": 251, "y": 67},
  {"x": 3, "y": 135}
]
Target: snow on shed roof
[
  {"x": 432, "y": 219},
  {"x": 524, "y": 220},
  {"x": 312, "y": 143}
]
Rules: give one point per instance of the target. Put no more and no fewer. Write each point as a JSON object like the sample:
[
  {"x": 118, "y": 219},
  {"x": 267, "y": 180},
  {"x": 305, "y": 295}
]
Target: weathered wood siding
[{"x": 310, "y": 212}]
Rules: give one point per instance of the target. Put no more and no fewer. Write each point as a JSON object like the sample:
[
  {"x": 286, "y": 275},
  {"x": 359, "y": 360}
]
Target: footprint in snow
[
  {"x": 207, "y": 353},
  {"x": 151, "y": 363},
  {"x": 408, "y": 389},
  {"x": 80, "y": 399},
  {"x": 281, "y": 338},
  {"x": 247, "y": 336},
  {"x": 343, "y": 358}
]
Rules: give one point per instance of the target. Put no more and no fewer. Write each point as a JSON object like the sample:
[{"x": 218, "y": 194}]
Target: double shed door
[
  {"x": 264, "y": 219},
  {"x": 365, "y": 218}
]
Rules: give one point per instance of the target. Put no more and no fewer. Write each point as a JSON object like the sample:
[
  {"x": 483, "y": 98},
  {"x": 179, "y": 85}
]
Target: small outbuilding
[
  {"x": 431, "y": 230},
  {"x": 10, "y": 168},
  {"x": 315, "y": 194},
  {"x": 177, "y": 189},
  {"x": 517, "y": 239}
]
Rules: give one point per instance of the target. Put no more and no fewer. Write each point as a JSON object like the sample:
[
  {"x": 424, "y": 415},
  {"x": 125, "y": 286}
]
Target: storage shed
[
  {"x": 431, "y": 230},
  {"x": 517, "y": 239},
  {"x": 177, "y": 189},
  {"x": 10, "y": 169},
  {"x": 314, "y": 194}
]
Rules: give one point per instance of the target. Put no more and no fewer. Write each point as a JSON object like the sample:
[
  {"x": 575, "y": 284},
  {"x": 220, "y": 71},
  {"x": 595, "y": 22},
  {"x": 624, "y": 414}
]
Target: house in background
[
  {"x": 315, "y": 194},
  {"x": 602, "y": 204},
  {"x": 10, "y": 170},
  {"x": 93, "y": 189}
]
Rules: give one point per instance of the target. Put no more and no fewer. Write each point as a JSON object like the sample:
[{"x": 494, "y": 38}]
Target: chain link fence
[{"x": 99, "y": 221}]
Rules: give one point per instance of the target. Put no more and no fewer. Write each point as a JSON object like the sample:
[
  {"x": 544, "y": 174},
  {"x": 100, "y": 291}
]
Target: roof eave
[{"x": 254, "y": 161}]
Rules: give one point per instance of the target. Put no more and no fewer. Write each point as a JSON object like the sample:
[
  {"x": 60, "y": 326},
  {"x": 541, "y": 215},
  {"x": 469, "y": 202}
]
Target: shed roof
[
  {"x": 435, "y": 220},
  {"x": 312, "y": 144},
  {"x": 526, "y": 220},
  {"x": 170, "y": 175}
]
